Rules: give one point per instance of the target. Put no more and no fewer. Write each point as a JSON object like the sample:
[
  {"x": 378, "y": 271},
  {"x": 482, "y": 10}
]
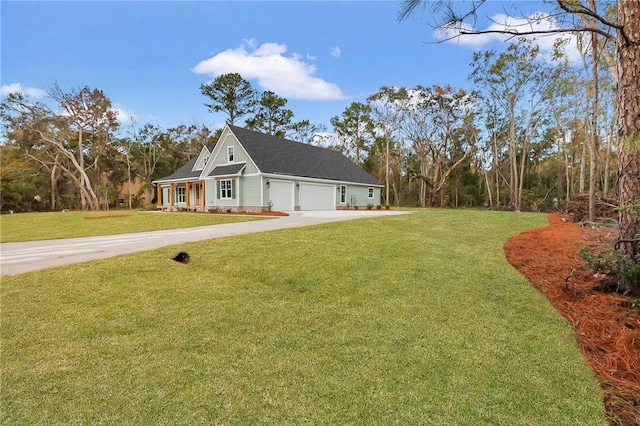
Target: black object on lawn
[{"x": 183, "y": 257}]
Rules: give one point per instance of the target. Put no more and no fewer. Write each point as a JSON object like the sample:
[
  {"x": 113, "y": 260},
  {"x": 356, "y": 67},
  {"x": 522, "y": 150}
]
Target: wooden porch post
[
  {"x": 172, "y": 195},
  {"x": 188, "y": 184},
  {"x": 159, "y": 195}
]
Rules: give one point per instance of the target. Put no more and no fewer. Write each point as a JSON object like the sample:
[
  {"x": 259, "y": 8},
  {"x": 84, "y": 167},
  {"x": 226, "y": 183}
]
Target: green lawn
[
  {"x": 413, "y": 319},
  {"x": 47, "y": 226}
]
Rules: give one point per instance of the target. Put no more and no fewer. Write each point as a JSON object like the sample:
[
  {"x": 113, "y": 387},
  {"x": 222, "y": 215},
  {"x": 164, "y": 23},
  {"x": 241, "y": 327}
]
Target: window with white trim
[
  {"x": 371, "y": 193},
  {"x": 230, "y": 154},
  {"x": 343, "y": 194},
  {"x": 181, "y": 194},
  {"x": 226, "y": 189}
]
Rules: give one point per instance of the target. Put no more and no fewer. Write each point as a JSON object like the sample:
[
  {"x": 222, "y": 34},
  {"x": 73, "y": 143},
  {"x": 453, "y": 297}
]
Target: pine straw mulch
[{"x": 607, "y": 326}]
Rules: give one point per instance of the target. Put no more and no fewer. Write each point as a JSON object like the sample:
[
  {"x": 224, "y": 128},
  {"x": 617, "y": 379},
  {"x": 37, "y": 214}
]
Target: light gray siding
[
  {"x": 358, "y": 195},
  {"x": 250, "y": 191},
  {"x": 239, "y": 156},
  {"x": 210, "y": 191}
]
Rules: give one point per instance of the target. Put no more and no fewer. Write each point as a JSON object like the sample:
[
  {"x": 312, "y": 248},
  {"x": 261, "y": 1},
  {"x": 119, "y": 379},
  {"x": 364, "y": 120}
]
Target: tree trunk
[
  {"x": 496, "y": 167},
  {"x": 386, "y": 173},
  {"x": 486, "y": 179},
  {"x": 54, "y": 185},
  {"x": 513, "y": 156},
  {"x": 593, "y": 164},
  {"x": 607, "y": 161},
  {"x": 523, "y": 161},
  {"x": 424, "y": 169},
  {"x": 583, "y": 158},
  {"x": 629, "y": 130}
]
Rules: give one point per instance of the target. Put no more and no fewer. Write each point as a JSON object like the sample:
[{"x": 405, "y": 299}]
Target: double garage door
[{"x": 312, "y": 196}]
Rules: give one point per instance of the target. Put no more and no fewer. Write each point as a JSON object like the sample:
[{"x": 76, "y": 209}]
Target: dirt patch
[
  {"x": 607, "y": 326},
  {"x": 113, "y": 216}
]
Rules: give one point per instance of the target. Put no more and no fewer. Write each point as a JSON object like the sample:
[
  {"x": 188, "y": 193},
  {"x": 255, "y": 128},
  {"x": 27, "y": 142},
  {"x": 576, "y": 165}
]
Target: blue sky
[{"x": 150, "y": 57}]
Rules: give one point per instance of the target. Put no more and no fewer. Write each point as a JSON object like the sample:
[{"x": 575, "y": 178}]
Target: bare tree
[
  {"x": 454, "y": 15},
  {"x": 436, "y": 119},
  {"x": 388, "y": 107},
  {"x": 71, "y": 141}
]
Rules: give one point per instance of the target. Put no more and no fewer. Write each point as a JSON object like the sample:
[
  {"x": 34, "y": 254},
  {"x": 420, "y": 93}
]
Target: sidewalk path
[{"x": 18, "y": 258}]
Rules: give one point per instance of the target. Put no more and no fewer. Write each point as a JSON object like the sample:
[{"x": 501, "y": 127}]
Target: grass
[
  {"x": 414, "y": 319},
  {"x": 48, "y": 226}
]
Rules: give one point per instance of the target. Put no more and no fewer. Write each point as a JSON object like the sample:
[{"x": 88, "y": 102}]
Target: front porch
[{"x": 190, "y": 196}]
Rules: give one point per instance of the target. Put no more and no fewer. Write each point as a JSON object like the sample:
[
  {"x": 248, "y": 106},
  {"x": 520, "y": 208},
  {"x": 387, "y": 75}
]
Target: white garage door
[
  {"x": 317, "y": 197},
  {"x": 281, "y": 195}
]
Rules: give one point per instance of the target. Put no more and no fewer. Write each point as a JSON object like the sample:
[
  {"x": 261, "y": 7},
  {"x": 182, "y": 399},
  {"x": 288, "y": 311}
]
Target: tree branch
[
  {"x": 533, "y": 32},
  {"x": 580, "y": 9}
]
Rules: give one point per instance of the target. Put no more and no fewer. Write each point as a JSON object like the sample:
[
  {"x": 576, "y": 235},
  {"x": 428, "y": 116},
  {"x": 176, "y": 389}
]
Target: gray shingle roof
[
  {"x": 282, "y": 156},
  {"x": 184, "y": 172},
  {"x": 226, "y": 170},
  {"x": 276, "y": 155}
]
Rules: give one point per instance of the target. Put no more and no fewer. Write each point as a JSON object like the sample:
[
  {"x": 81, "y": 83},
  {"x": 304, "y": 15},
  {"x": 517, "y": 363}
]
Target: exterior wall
[
  {"x": 252, "y": 194},
  {"x": 247, "y": 195},
  {"x": 210, "y": 193},
  {"x": 239, "y": 155},
  {"x": 250, "y": 191},
  {"x": 265, "y": 191},
  {"x": 226, "y": 203},
  {"x": 358, "y": 196}
]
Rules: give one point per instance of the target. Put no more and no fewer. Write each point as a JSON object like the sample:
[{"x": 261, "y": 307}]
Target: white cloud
[
  {"x": 335, "y": 52},
  {"x": 124, "y": 116},
  {"x": 31, "y": 92},
  {"x": 535, "y": 22},
  {"x": 288, "y": 76}
]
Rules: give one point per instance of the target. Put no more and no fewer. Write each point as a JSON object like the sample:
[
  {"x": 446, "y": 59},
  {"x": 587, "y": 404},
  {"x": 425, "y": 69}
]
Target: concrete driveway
[{"x": 18, "y": 258}]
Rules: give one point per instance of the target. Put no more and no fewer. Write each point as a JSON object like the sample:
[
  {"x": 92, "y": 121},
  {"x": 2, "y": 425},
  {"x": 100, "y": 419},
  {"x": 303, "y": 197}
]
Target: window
[
  {"x": 371, "y": 193},
  {"x": 181, "y": 194},
  {"x": 202, "y": 164},
  {"x": 230, "y": 154},
  {"x": 343, "y": 194},
  {"x": 226, "y": 189}
]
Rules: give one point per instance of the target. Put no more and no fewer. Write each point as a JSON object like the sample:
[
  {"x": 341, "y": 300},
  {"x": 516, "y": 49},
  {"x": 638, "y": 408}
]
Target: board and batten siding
[{"x": 239, "y": 156}]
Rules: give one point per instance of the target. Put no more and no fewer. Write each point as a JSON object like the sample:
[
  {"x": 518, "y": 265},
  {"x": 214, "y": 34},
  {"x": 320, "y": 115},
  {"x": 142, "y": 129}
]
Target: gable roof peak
[{"x": 273, "y": 154}]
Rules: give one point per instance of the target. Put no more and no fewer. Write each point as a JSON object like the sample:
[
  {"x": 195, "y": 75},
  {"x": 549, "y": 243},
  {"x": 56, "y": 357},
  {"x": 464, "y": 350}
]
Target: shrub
[
  {"x": 379, "y": 206},
  {"x": 369, "y": 206},
  {"x": 615, "y": 265}
]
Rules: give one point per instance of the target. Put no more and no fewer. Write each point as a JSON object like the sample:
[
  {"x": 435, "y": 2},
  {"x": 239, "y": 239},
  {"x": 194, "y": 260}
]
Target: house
[{"x": 250, "y": 171}]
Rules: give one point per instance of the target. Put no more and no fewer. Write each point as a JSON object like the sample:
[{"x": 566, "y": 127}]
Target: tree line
[{"x": 518, "y": 140}]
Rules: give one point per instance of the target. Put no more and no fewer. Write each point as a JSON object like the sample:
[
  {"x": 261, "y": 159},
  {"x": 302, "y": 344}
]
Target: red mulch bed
[{"x": 607, "y": 326}]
